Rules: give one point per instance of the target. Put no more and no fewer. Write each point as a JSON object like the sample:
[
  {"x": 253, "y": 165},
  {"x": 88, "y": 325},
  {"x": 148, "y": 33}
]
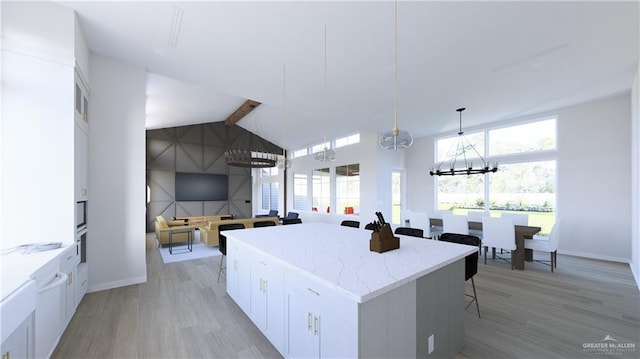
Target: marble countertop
[
  {"x": 17, "y": 268},
  {"x": 339, "y": 257}
]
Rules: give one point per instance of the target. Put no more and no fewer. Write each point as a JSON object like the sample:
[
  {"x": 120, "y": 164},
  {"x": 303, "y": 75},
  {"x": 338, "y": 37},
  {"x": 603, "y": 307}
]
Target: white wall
[
  {"x": 635, "y": 177},
  {"x": 37, "y": 124},
  {"x": 116, "y": 239},
  {"x": 595, "y": 205}
]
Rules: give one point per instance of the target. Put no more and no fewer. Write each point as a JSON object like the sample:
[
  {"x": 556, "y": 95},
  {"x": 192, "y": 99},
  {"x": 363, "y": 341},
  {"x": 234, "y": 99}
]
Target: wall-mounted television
[{"x": 201, "y": 187}]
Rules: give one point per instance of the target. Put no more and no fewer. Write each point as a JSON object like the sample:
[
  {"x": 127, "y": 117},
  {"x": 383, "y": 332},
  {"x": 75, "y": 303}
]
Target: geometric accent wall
[{"x": 198, "y": 149}]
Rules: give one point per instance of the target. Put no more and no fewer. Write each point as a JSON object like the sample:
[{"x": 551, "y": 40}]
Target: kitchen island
[{"x": 315, "y": 290}]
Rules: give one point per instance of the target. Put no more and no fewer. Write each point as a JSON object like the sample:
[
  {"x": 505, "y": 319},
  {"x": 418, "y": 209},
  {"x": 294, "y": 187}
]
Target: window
[
  {"x": 268, "y": 172},
  {"x": 526, "y": 177},
  {"x": 300, "y": 192},
  {"x": 299, "y": 153},
  {"x": 348, "y": 189},
  {"x": 320, "y": 147},
  {"x": 270, "y": 195},
  {"x": 535, "y": 136},
  {"x": 461, "y": 192},
  {"x": 396, "y": 197},
  {"x": 527, "y": 188},
  {"x": 321, "y": 190},
  {"x": 446, "y": 148},
  {"x": 349, "y": 140}
]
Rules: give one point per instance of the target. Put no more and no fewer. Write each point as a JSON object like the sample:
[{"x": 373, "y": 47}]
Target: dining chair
[
  {"x": 272, "y": 213},
  {"x": 410, "y": 231},
  {"x": 291, "y": 221},
  {"x": 350, "y": 223},
  {"x": 498, "y": 232},
  {"x": 519, "y": 219},
  {"x": 476, "y": 216},
  {"x": 470, "y": 261},
  {"x": 258, "y": 224},
  {"x": 222, "y": 245},
  {"x": 546, "y": 244},
  {"x": 455, "y": 223}
]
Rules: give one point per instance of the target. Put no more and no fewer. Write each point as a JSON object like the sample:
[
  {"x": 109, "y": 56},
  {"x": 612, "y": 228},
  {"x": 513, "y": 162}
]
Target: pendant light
[
  {"x": 327, "y": 154},
  {"x": 460, "y": 163},
  {"x": 396, "y": 139}
]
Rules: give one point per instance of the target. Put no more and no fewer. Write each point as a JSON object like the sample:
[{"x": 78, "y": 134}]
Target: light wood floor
[{"x": 181, "y": 312}]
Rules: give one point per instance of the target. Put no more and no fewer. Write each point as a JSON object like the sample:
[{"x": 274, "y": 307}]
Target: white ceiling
[{"x": 499, "y": 59}]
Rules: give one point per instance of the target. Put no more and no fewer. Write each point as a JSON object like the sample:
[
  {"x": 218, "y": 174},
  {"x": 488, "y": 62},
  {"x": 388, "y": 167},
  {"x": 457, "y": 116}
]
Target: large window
[
  {"x": 269, "y": 188},
  {"x": 529, "y": 137},
  {"x": 300, "y": 192},
  {"x": 525, "y": 181},
  {"x": 348, "y": 140},
  {"x": 348, "y": 189},
  {"x": 270, "y": 196},
  {"x": 321, "y": 190}
]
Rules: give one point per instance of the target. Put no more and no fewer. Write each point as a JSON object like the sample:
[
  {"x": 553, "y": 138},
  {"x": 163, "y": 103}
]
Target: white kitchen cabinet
[
  {"x": 81, "y": 282},
  {"x": 238, "y": 275},
  {"x": 68, "y": 265},
  {"x": 81, "y": 138},
  {"x": 20, "y": 343},
  {"x": 267, "y": 298},
  {"x": 319, "y": 322}
]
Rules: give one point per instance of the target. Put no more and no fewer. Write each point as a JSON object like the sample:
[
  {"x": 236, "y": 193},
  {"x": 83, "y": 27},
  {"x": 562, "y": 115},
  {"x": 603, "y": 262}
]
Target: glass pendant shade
[
  {"x": 326, "y": 155},
  {"x": 396, "y": 139}
]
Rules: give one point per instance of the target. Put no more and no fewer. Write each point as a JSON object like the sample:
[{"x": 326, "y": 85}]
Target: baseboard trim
[
  {"x": 116, "y": 284},
  {"x": 636, "y": 275},
  {"x": 594, "y": 256}
]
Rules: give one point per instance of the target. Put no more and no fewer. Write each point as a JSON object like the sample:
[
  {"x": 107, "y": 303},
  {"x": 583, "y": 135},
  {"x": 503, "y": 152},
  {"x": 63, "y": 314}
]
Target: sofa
[
  {"x": 201, "y": 220},
  {"x": 209, "y": 233},
  {"x": 163, "y": 228}
]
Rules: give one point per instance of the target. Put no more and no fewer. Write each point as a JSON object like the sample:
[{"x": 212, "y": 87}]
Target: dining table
[{"x": 518, "y": 257}]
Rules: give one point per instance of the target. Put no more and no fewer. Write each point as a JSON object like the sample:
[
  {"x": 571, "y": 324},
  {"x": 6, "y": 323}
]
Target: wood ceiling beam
[{"x": 242, "y": 111}]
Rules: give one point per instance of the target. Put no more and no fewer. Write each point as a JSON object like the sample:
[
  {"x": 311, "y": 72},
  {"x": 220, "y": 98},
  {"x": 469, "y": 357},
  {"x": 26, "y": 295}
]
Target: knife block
[{"x": 384, "y": 240}]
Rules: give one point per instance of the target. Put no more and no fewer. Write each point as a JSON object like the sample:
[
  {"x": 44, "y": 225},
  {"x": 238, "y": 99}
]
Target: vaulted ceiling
[{"x": 498, "y": 59}]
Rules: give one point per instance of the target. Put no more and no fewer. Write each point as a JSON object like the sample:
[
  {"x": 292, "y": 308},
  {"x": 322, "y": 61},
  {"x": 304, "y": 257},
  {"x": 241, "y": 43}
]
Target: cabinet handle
[
  {"x": 71, "y": 278},
  {"x": 264, "y": 286},
  {"x": 263, "y": 263},
  {"x": 84, "y": 117},
  {"x": 261, "y": 284},
  {"x": 308, "y": 320},
  {"x": 83, "y": 283},
  {"x": 315, "y": 325},
  {"x": 313, "y": 291},
  {"x": 6, "y": 355},
  {"x": 69, "y": 257}
]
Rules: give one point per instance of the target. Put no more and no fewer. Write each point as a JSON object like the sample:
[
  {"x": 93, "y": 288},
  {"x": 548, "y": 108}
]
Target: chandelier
[
  {"x": 395, "y": 138},
  {"x": 250, "y": 159},
  {"x": 326, "y": 154},
  {"x": 464, "y": 150}
]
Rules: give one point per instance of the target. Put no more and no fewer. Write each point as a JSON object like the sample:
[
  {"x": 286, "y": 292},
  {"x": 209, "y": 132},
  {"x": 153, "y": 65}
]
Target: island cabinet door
[
  {"x": 320, "y": 323},
  {"x": 302, "y": 327},
  {"x": 238, "y": 274},
  {"x": 267, "y": 299}
]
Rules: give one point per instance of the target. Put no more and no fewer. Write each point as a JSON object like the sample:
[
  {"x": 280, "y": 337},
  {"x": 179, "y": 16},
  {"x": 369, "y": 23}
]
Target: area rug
[{"x": 181, "y": 253}]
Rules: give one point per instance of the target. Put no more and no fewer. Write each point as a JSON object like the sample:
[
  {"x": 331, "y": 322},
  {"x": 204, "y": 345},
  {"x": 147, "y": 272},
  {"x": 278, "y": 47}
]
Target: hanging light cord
[
  {"x": 284, "y": 106},
  {"x": 326, "y": 111},
  {"x": 395, "y": 75}
]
